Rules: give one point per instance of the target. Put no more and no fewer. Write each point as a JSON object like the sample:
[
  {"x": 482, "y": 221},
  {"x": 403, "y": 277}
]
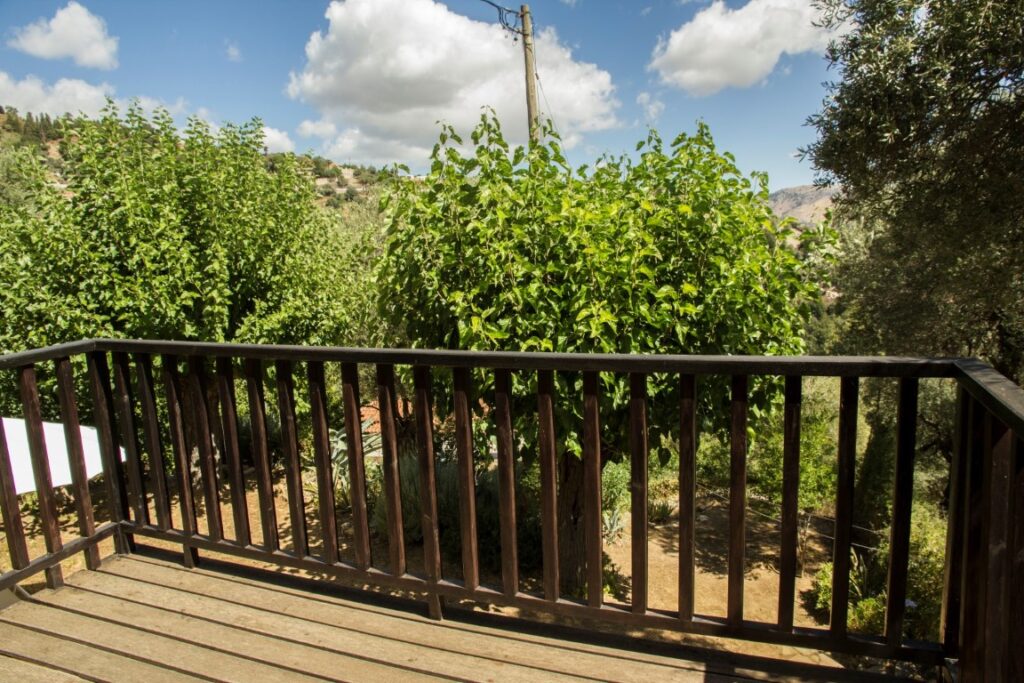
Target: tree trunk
[{"x": 571, "y": 546}]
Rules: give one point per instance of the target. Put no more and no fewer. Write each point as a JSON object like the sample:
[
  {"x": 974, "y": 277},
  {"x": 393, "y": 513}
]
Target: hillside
[{"x": 807, "y": 204}]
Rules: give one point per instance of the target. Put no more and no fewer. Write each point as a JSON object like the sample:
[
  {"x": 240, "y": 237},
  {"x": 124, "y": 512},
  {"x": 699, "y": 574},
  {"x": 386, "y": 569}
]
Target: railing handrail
[
  {"x": 832, "y": 366},
  {"x": 995, "y": 391}
]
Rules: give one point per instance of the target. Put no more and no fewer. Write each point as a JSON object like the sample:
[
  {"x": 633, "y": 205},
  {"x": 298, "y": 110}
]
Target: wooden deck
[{"x": 147, "y": 618}]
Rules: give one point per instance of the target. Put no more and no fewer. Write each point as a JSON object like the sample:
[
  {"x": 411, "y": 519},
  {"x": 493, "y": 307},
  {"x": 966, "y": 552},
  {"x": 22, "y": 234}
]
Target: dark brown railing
[{"x": 186, "y": 411}]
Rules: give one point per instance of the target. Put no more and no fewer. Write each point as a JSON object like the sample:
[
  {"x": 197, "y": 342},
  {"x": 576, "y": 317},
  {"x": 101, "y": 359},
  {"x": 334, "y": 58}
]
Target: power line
[
  {"x": 547, "y": 105},
  {"x": 510, "y": 19}
]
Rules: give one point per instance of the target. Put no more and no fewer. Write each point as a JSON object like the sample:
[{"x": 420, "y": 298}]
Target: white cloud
[
  {"x": 277, "y": 140},
  {"x": 73, "y": 32},
  {"x": 722, "y": 47},
  {"x": 233, "y": 52},
  {"x": 66, "y": 95},
  {"x": 652, "y": 106},
  {"x": 385, "y": 71},
  {"x": 317, "y": 129},
  {"x": 570, "y": 3},
  {"x": 73, "y": 96}
]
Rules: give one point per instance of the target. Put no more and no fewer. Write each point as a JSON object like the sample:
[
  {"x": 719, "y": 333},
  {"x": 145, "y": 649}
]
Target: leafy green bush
[{"x": 868, "y": 574}]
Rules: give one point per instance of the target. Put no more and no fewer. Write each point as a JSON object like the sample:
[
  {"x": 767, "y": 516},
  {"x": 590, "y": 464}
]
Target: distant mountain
[{"x": 805, "y": 203}]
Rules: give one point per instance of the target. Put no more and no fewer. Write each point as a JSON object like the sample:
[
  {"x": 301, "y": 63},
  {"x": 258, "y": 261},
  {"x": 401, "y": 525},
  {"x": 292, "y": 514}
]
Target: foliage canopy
[
  {"x": 512, "y": 249},
  {"x": 925, "y": 133},
  {"x": 157, "y": 233}
]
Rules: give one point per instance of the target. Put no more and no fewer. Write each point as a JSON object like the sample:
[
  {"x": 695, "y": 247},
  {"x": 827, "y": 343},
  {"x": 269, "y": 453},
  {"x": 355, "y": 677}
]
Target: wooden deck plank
[
  {"x": 128, "y": 639},
  {"x": 261, "y": 637},
  {"x": 89, "y": 662},
  {"x": 24, "y": 671},
  {"x": 486, "y": 649}
]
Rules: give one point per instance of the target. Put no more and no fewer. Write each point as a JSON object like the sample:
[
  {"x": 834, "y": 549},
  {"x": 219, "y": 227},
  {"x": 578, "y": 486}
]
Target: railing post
[
  {"x": 293, "y": 464},
  {"x": 428, "y": 486},
  {"x": 1015, "y": 631},
  {"x": 592, "y": 490},
  {"x": 506, "y": 482},
  {"x": 548, "y": 476},
  {"x": 203, "y": 430},
  {"x": 687, "y": 491},
  {"x": 41, "y": 470},
  {"x": 231, "y": 455},
  {"x": 902, "y": 507},
  {"x": 949, "y": 623},
  {"x": 322, "y": 460},
  {"x": 356, "y": 469},
  {"x": 10, "y": 512},
  {"x": 182, "y": 456},
  {"x": 76, "y": 457},
  {"x": 846, "y": 463},
  {"x": 261, "y": 452},
  {"x": 737, "y": 499},
  {"x": 392, "y": 475},
  {"x": 151, "y": 433},
  {"x": 790, "y": 500},
  {"x": 638, "y": 447},
  {"x": 103, "y": 412},
  {"x": 129, "y": 437}
]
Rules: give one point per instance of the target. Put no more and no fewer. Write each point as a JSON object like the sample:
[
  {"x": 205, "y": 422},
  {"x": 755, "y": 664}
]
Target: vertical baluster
[
  {"x": 687, "y": 491},
  {"x": 548, "y": 491},
  {"x": 949, "y": 623},
  {"x": 76, "y": 458},
  {"x": 231, "y": 453},
  {"x": 638, "y": 449},
  {"x": 357, "y": 476},
  {"x": 392, "y": 481},
  {"x": 592, "y": 490},
  {"x": 322, "y": 459},
  {"x": 903, "y": 495},
  {"x": 182, "y": 454},
  {"x": 293, "y": 465},
  {"x": 9, "y": 509},
  {"x": 103, "y": 410},
  {"x": 506, "y": 482},
  {"x": 847, "y": 461},
  {"x": 41, "y": 470},
  {"x": 428, "y": 486},
  {"x": 204, "y": 442},
  {"x": 972, "y": 606},
  {"x": 129, "y": 437},
  {"x": 1015, "y": 604},
  {"x": 790, "y": 500},
  {"x": 151, "y": 434},
  {"x": 467, "y": 479},
  {"x": 737, "y": 499},
  {"x": 261, "y": 452},
  {"x": 995, "y": 622}
]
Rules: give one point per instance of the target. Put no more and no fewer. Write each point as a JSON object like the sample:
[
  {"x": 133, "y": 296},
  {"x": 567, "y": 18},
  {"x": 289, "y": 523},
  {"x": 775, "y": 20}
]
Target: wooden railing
[{"x": 188, "y": 410}]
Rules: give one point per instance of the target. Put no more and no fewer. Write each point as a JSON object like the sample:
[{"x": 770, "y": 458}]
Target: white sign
[{"x": 57, "y": 450}]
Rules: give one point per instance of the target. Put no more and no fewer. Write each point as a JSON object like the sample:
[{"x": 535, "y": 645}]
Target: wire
[
  {"x": 509, "y": 19},
  {"x": 547, "y": 105}
]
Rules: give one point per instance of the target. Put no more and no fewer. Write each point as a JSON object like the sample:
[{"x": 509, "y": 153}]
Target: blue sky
[{"x": 365, "y": 80}]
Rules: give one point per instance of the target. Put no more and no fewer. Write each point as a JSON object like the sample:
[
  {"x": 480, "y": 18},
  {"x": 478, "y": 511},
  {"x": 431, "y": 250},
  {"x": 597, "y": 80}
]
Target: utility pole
[{"x": 531, "y": 74}]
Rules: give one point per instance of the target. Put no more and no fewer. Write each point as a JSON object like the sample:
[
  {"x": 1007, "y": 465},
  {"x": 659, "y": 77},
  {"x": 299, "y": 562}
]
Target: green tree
[
  {"x": 511, "y": 249},
  {"x": 924, "y": 131},
  {"x": 161, "y": 234}
]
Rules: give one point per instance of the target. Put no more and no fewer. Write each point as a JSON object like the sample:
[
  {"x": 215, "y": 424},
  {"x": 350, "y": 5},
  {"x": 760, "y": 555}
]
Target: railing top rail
[
  {"x": 833, "y": 366},
  {"x": 999, "y": 395},
  {"x": 22, "y": 358}
]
